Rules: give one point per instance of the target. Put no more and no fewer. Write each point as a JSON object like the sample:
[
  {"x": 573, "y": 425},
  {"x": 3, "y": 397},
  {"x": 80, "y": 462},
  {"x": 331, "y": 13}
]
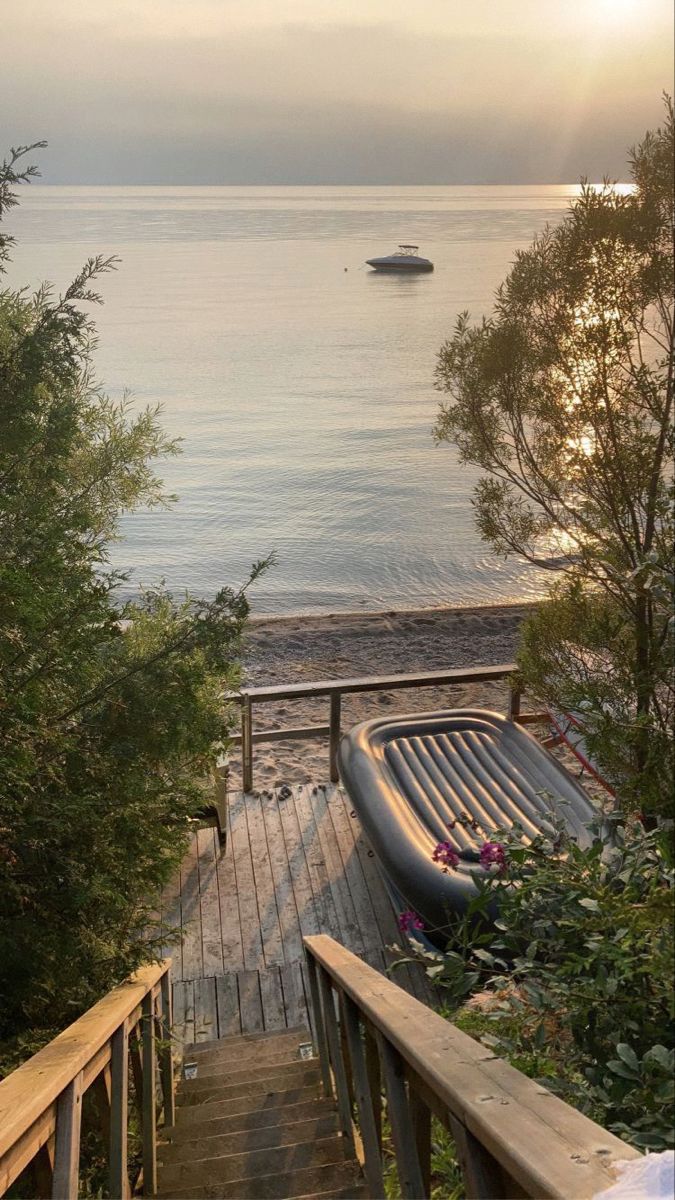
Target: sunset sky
[{"x": 333, "y": 91}]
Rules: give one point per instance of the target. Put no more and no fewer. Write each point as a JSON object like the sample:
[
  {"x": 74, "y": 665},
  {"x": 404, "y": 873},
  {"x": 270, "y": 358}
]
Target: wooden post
[
  {"x": 334, "y": 735},
  {"x": 166, "y": 1051},
  {"x": 370, "y": 1134},
  {"x": 515, "y": 696},
  {"x": 149, "y": 1098},
  {"x": 119, "y": 1112},
  {"x": 374, "y": 1080},
  {"x": 407, "y": 1161},
  {"x": 321, "y": 1043},
  {"x": 344, "y": 1106},
  {"x": 344, "y": 1047},
  {"x": 246, "y": 743},
  {"x": 136, "y": 1071},
  {"x": 483, "y": 1176},
  {"x": 420, "y": 1118},
  {"x": 67, "y": 1150}
]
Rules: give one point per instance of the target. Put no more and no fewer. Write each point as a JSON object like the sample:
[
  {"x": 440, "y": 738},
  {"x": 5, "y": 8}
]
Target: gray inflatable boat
[{"x": 454, "y": 776}]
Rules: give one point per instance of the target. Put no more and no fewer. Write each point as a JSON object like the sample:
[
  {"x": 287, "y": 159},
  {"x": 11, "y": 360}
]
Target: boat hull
[{"x": 400, "y": 267}]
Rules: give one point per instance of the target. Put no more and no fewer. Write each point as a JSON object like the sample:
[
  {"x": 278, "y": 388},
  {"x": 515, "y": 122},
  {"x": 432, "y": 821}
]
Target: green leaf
[
  {"x": 485, "y": 956},
  {"x": 628, "y": 1056},
  {"x": 665, "y": 1058}
]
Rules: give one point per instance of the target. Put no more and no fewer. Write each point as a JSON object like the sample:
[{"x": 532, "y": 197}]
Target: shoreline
[{"x": 363, "y": 614}]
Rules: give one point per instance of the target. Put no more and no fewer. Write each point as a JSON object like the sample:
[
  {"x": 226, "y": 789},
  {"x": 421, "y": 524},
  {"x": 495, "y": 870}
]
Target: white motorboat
[{"x": 406, "y": 258}]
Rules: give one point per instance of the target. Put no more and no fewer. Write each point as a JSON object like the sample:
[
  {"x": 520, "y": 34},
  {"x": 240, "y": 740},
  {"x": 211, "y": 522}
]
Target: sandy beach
[{"x": 303, "y": 649}]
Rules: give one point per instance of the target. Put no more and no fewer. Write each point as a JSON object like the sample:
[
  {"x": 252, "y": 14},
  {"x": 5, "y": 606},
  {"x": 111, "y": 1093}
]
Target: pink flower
[
  {"x": 493, "y": 855},
  {"x": 446, "y": 854},
  {"x": 409, "y": 920}
]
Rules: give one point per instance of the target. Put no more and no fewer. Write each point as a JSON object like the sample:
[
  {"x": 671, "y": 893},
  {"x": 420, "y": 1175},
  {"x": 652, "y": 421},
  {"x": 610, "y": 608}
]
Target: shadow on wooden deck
[{"x": 295, "y": 862}]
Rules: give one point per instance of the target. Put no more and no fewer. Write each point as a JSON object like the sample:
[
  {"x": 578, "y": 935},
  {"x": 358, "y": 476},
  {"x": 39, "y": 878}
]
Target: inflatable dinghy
[{"x": 454, "y": 776}]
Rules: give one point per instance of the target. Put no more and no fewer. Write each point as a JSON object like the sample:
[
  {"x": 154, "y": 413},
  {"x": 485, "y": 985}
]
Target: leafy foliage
[
  {"x": 565, "y": 398},
  {"x": 111, "y": 712},
  {"x": 579, "y": 964}
]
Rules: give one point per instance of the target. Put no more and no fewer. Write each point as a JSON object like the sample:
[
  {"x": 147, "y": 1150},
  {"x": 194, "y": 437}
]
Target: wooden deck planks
[
  {"x": 230, "y": 923},
  {"x": 245, "y": 884},
  {"x": 209, "y": 902},
  {"x": 293, "y": 864},
  {"x": 190, "y": 913}
]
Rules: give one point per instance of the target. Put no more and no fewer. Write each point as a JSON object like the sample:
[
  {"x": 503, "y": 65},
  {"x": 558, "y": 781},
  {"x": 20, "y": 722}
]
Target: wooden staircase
[{"x": 252, "y": 1123}]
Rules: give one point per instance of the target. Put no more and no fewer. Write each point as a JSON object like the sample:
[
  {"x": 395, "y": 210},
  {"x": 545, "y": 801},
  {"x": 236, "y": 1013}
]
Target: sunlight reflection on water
[{"x": 301, "y": 383}]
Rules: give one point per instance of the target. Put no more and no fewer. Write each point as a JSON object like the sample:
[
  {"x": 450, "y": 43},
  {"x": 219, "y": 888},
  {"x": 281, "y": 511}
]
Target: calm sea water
[{"x": 300, "y": 381}]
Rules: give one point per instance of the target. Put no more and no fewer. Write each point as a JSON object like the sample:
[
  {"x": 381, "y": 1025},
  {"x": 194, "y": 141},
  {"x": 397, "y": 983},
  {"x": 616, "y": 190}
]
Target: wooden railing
[
  {"x": 41, "y": 1102},
  {"x": 335, "y": 689},
  {"x": 513, "y": 1138}
]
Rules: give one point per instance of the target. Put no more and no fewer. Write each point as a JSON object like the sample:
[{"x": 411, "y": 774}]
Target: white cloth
[{"x": 648, "y": 1178}]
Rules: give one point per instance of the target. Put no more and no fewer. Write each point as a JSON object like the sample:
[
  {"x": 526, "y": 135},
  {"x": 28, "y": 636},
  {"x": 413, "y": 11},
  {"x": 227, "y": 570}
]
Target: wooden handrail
[
  {"x": 43, "y": 1093},
  {"x": 335, "y": 689},
  {"x": 512, "y": 1135},
  {"x": 375, "y": 683}
]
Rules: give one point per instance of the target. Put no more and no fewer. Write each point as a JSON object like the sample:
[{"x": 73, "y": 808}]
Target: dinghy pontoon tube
[{"x": 410, "y": 777}]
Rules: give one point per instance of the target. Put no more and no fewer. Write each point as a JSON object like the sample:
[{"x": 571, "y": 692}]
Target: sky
[{"x": 333, "y": 91}]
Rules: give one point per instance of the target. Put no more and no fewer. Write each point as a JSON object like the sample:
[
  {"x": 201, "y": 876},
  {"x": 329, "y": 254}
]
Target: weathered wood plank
[
  {"x": 208, "y": 850},
  {"x": 308, "y": 913},
  {"x": 249, "y": 917},
  {"x": 295, "y": 1002},
  {"x": 166, "y": 1052},
  {"x": 119, "y": 1113},
  {"x": 385, "y": 918},
  {"x": 363, "y": 903},
  {"x": 274, "y": 1016},
  {"x": 316, "y": 864},
  {"x": 192, "y": 966},
  {"x": 291, "y": 933},
  {"x": 230, "y": 924},
  {"x": 403, "y": 1136},
  {"x": 367, "y": 1120},
  {"x": 227, "y": 1002},
  {"x": 378, "y": 683},
  {"x": 67, "y": 1149},
  {"x": 270, "y": 929},
  {"x": 149, "y": 1121},
  {"x": 206, "y": 1011},
  {"x": 184, "y": 1011},
  {"x": 250, "y": 1002},
  {"x": 313, "y": 801}
]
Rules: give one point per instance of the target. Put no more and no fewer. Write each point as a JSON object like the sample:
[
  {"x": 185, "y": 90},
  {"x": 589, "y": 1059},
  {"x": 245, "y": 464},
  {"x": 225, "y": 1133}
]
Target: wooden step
[
  {"x": 205, "y": 1121},
  {"x": 254, "y": 1056},
  {"x": 212, "y": 1145},
  {"x": 250, "y": 1104},
  {"x": 298, "y": 1075},
  {"x": 248, "y": 1165},
  {"x": 216, "y": 1074},
  {"x": 342, "y": 1178},
  {"x": 239, "y": 1043}
]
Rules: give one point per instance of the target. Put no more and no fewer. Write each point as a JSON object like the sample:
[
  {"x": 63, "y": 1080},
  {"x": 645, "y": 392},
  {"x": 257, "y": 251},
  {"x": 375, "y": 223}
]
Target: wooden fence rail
[
  {"x": 41, "y": 1102},
  {"x": 513, "y": 1137},
  {"x": 335, "y": 689}
]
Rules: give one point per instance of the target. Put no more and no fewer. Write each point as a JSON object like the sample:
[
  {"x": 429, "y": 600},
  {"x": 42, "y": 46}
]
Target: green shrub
[
  {"x": 581, "y": 967},
  {"x": 111, "y": 712}
]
